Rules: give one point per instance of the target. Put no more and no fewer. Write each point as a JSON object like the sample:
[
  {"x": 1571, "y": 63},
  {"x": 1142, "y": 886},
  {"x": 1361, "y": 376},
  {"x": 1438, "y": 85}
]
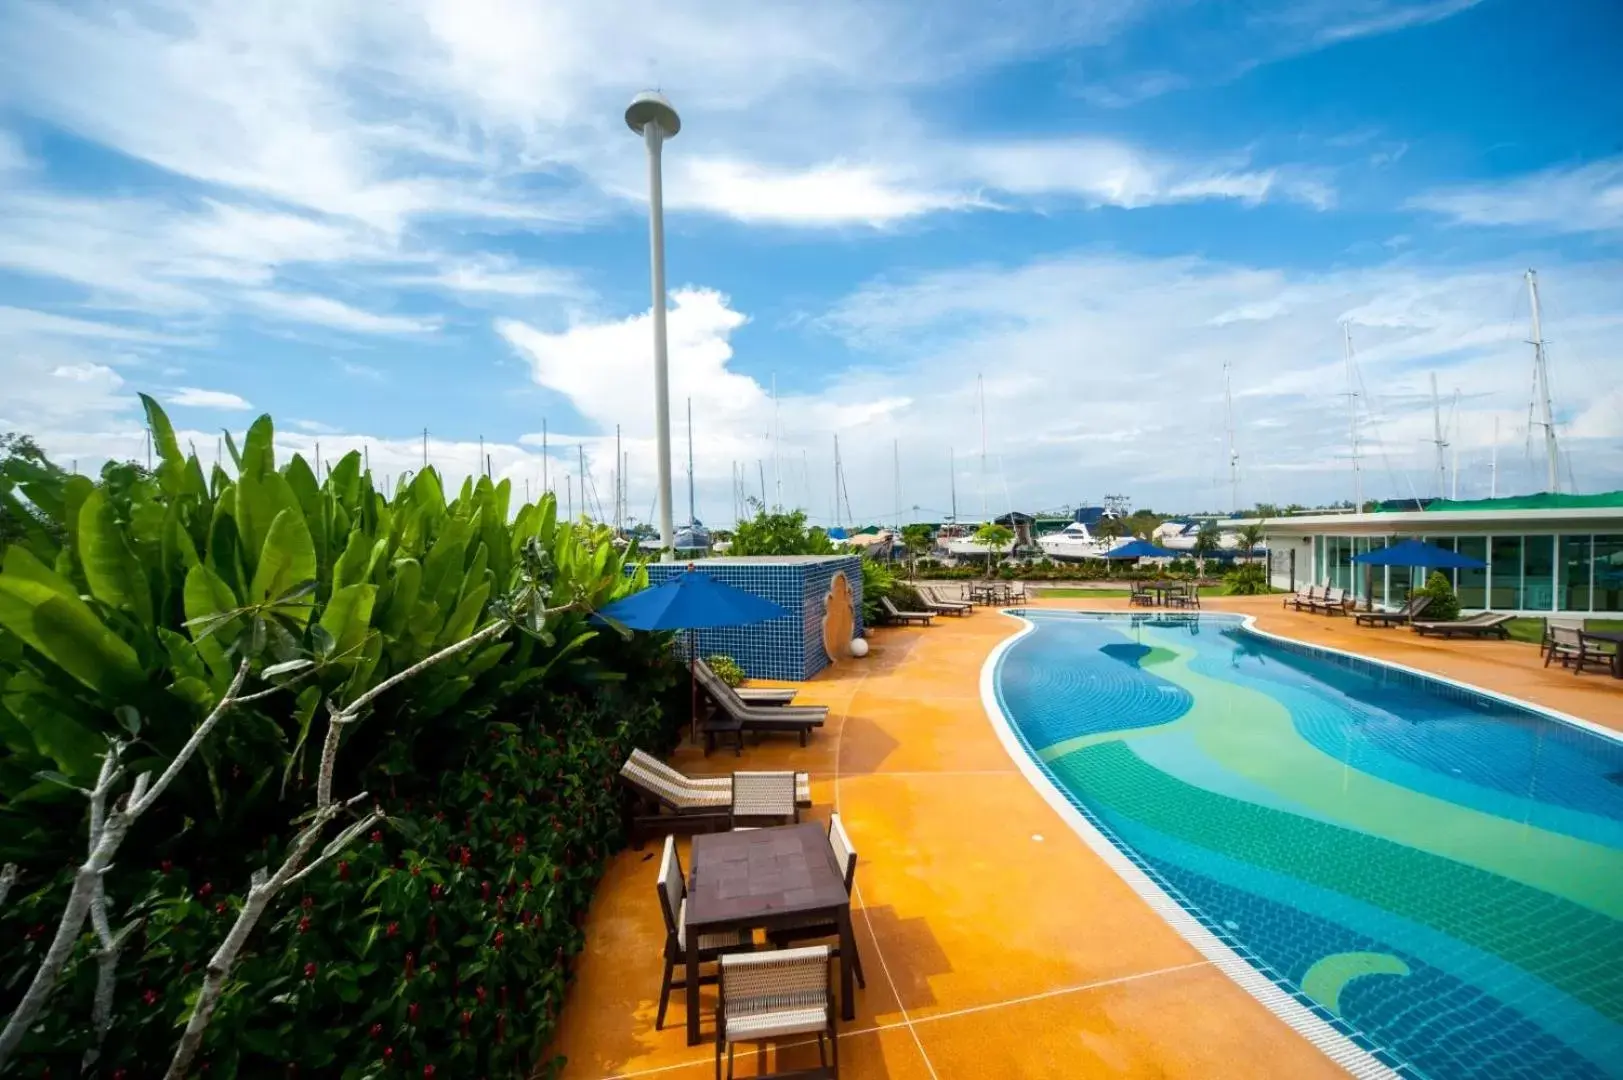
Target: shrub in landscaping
[
  {"x": 726, "y": 669},
  {"x": 1444, "y": 606},
  {"x": 1247, "y": 580},
  {"x": 440, "y": 940}
]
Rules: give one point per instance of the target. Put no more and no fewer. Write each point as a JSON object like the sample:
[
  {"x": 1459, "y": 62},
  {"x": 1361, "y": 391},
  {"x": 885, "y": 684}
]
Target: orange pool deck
[{"x": 995, "y": 943}]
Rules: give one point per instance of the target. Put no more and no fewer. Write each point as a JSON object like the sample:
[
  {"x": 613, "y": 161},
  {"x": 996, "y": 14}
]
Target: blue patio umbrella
[
  {"x": 1419, "y": 553},
  {"x": 1412, "y": 552},
  {"x": 1140, "y": 549},
  {"x": 691, "y": 601}
]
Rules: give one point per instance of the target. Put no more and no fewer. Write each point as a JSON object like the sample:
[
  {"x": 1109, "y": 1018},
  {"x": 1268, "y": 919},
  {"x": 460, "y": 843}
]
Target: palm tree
[
  {"x": 1251, "y": 538},
  {"x": 1207, "y": 540}
]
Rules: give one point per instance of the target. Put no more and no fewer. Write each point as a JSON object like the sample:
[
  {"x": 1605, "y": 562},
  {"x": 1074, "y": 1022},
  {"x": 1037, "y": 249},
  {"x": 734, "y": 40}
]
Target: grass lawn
[{"x": 1533, "y": 629}]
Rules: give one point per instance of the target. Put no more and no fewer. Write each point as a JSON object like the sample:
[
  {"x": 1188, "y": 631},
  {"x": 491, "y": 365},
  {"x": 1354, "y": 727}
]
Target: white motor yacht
[{"x": 1074, "y": 543}]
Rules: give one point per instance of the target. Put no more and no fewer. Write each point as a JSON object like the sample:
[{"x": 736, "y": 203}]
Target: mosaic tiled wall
[{"x": 789, "y": 648}]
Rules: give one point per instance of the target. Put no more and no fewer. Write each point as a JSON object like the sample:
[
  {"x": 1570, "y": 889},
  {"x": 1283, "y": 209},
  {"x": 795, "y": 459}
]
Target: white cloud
[
  {"x": 494, "y": 276},
  {"x": 12, "y": 154},
  {"x": 192, "y": 397},
  {"x": 828, "y": 194},
  {"x": 25, "y": 322},
  {"x": 1585, "y": 198},
  {"x": 325, "y": 311},
  {"x": 316, "y": 427}
]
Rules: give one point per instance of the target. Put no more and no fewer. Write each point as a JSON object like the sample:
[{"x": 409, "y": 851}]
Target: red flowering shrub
[{"x": 443, "y": 944}]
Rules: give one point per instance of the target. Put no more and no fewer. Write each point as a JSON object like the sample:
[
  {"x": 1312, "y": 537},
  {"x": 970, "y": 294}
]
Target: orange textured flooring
[{"x": 996, "y": 944}]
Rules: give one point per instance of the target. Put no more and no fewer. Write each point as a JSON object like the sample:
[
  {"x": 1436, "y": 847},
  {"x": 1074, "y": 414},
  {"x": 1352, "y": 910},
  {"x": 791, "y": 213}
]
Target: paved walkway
[{"x": 995, "y": 943}]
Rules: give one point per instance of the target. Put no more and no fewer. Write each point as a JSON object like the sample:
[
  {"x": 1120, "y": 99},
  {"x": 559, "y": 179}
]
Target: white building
[{"x": 1566, "y": 559}]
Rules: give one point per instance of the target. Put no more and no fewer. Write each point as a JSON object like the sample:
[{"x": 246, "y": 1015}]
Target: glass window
[
  {"x": 1608, "y": 563},
  {"x": 1343, "y": 567},
  {"x": 1318, "y": 561},
  {"x": 1377, "y": 574},
  {"x": 1473, "y": 584},
  {"x": 1505, "y": 575},
  {"x": 1573, "y": 592},
  {"x": 1538, "y": 573}
]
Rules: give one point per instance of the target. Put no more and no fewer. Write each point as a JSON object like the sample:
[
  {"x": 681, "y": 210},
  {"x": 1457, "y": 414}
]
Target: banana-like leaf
[
  {"x": 75, "y": 749},
  {"x": 286, "y": 561},
  {"x": 396, "y": 616},
  {"x": 350, "y": 569},
  {"x": 442, "y": 569},
  {"x": 209, "y": 601},
  {"x": 172, "y": 464},
  {"x": 258, "y": 500},
  {"x": 462, "y": 620},
  {"x": 66, "y": 632},
  {"x": 258, "y": 453},
  {"x": 111, "y": 568},
  {"x": 21, "y": 563},
  {"x": 348, "y": 618}
]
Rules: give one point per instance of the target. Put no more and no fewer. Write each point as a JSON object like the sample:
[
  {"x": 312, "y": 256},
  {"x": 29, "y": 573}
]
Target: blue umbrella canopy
[
  {"x": 1419, "y": 553},
  {"x": 1140, "y": 549},
  {"x": 691, "y": 601}
]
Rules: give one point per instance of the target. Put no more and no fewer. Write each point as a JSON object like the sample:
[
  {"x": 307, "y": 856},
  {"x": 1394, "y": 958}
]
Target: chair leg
[
  {"x": 822, "y": 1056},
  {"x": 664, "y": 994},
  {"x": 856, "y": 963},
  {"x": 834, "y": 1046}
]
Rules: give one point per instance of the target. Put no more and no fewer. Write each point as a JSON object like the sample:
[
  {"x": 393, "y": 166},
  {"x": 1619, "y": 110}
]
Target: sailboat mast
[
  {"x": 952, "y": 481},
  {"x": 692, "y": 517},
  {"x": 980, "y": 387},
  {"x": 836, "y": 481},
  {"x": 619, "y": 481},
  {"x": 1541, "y": 372},
  {"x": 1352, "y": 419},
  {"x": 1228, "y": 423},
  {"x": 1493, "y": 463},
  {"x": 546, "y": 481},
  {"x": 777, "y": 466},
  {"x": 1438, "y": 440},
  {"x": 896, "y": 472},
  {"x": 1454, "y": 444}
]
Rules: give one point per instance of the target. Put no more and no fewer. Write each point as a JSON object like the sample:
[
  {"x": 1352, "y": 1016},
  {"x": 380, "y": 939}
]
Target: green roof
[{"x": 1543, "y": 501}]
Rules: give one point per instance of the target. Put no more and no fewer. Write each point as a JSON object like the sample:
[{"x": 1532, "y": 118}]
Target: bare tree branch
[{"x": 107, "y": 832}]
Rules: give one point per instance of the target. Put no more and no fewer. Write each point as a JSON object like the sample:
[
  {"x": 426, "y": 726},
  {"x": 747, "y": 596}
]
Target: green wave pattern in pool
[{"x": 1464, "y": 857}]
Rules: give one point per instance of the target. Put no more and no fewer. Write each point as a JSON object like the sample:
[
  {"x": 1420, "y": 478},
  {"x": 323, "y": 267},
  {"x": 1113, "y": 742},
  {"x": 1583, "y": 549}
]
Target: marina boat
[{"x": 1074, "y": 543}]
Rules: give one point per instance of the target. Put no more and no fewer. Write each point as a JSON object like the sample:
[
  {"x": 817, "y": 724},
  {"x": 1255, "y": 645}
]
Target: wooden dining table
[{"x": 761, "y": 879}]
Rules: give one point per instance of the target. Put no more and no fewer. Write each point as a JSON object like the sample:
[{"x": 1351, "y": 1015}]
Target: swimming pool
[{"x": 1434, "y": 872}]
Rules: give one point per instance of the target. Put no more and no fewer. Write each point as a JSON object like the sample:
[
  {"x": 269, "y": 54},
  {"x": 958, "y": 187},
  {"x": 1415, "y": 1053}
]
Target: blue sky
[{"x": 366, "y": 219}]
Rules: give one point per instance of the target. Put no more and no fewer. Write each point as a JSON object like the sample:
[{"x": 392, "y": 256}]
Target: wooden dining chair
[
  {"x": 673, "y": 901},
  {"x": 846, "y": 857},
  {"x": 773, "y": 995},
  {"x": 764, "y": 798}
]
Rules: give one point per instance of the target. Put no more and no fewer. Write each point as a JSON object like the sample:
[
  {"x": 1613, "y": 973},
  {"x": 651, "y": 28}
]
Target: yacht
[{"x": 1074, "y": 543}]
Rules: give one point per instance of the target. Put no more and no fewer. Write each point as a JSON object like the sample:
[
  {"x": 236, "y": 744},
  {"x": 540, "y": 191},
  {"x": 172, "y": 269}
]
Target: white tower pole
[
  {"x": 652, "y": 117},
  {"x": 1234, "y": 459},
  {"x": 1542, "y": 373}
]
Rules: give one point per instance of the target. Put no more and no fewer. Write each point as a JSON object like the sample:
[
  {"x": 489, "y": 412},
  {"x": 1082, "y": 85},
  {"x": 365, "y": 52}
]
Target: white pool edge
[{"x": 1336, "y": 1046}]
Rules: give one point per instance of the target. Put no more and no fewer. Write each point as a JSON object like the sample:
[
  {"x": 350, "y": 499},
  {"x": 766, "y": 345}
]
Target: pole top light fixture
[{"x": 651, "y": 106}]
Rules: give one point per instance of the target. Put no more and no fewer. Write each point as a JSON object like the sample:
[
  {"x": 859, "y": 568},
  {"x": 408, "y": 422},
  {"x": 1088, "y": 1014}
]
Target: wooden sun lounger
[
  {"x": 1333, "y": 602},
  {"x": 933, "y": 601},
  {"x": 671, "y": 798},
  {"x": 1488, "y": 622},
  {"x": 1302, "y": 598},
  {"x": 763, "y": 695},
  {"x": 795, "y": 719},
  {"x": 1406, "y": 613},
  {"x": 895, "y": 616}
]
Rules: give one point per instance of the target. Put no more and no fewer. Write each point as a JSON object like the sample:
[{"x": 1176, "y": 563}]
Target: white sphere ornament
[{"x": 859, "y": 647}]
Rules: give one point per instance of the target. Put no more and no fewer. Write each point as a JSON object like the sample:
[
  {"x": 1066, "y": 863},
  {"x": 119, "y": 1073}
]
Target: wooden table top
[{"x": 763, "y": 873}]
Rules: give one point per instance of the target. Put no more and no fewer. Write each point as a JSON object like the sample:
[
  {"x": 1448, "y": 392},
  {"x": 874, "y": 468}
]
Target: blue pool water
[{"x": 1435, "y": 872}]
